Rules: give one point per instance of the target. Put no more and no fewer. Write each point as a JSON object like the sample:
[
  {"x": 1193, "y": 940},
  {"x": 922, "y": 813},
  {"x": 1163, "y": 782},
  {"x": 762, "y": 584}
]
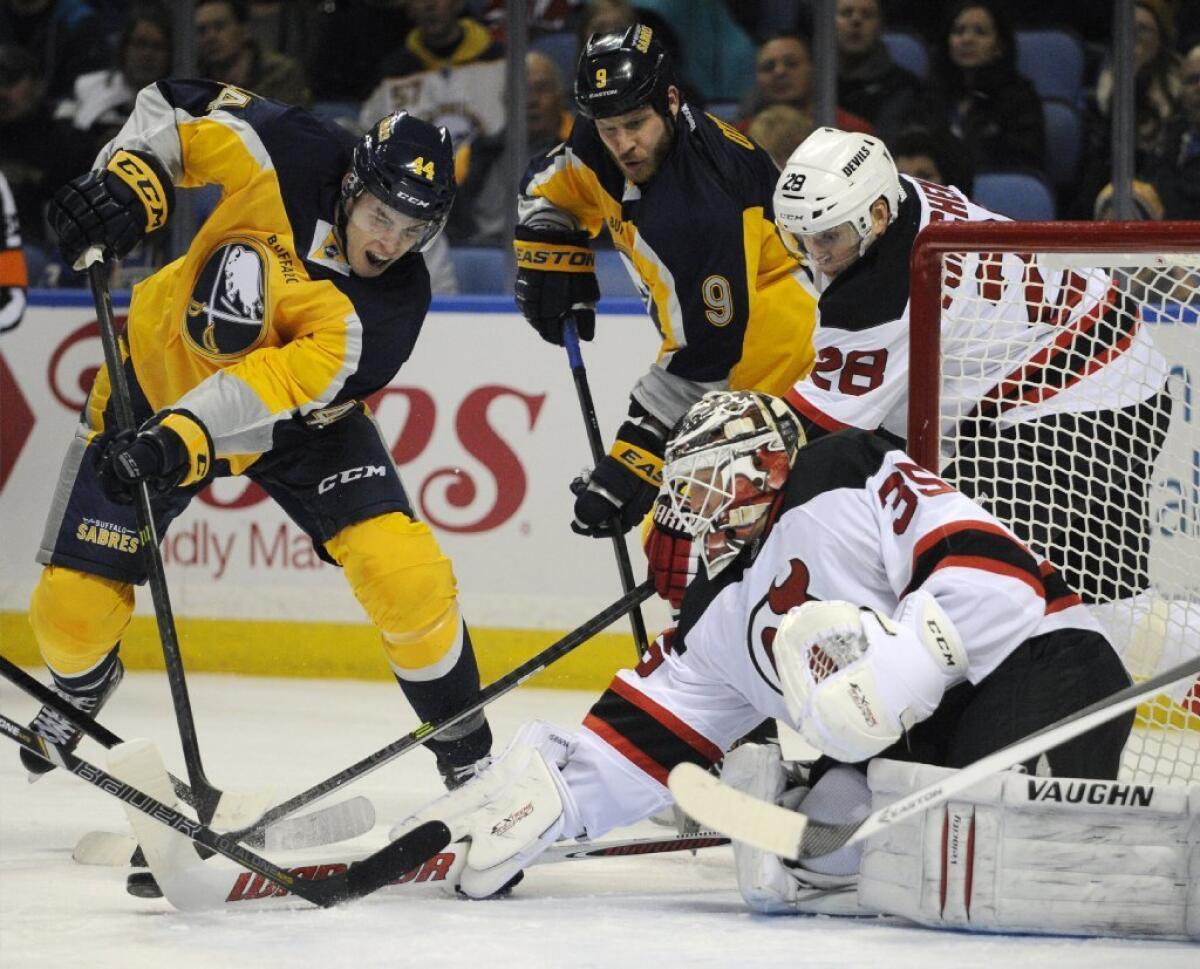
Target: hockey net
[{"x": 999, "y": 312}]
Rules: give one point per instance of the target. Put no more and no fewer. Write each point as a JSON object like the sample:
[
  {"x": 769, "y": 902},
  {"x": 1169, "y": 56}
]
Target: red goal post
[{"x": 1155, "y": 266}]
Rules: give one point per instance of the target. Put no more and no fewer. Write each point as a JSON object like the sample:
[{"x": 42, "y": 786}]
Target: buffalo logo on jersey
[
  {"x": 786, "y": 593},
  {"x": 227, "y": 314}
]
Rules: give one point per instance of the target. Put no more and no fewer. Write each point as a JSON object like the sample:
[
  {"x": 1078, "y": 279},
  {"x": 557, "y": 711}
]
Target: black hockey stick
[
  {"x": 361, "y": 878},
  {"x": 431, "y": 729},
  {"x": 588, "y": 409},
  {"x": 338, "y": 817},
  {"x": 206, "y": 796},
  {"x": 792, "y": 834}
]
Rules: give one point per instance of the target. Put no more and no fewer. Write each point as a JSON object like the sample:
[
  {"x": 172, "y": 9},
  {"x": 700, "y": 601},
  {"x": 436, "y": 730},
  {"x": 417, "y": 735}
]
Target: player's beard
[{"x": 653, "y": 161}]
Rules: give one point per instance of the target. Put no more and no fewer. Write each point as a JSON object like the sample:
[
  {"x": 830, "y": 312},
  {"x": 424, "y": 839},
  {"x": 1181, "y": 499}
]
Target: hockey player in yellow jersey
[
  {"x": 687, "y": 201},
  {"x": 302, "y": 294}
]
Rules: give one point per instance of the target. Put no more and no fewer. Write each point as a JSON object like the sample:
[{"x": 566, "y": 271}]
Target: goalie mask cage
[{"x": 1015, "y": 292}]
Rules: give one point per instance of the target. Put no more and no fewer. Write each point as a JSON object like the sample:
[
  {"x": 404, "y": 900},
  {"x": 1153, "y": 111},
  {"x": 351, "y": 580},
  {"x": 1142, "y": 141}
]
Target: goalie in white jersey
[{"x": 847, "y": 592}]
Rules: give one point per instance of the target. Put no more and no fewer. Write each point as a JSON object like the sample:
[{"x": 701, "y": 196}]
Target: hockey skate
[{"x": 87, "y": 693}]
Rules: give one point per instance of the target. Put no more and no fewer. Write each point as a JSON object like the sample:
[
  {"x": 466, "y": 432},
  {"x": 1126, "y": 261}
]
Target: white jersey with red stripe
[
  {"x": 858, "y": 521},
  {"x": 1081, "y": 353}
]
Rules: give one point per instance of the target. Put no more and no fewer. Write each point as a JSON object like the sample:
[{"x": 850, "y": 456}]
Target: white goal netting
[{"x": 1062, "y": 390}]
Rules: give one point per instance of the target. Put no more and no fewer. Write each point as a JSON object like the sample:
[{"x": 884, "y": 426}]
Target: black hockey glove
[
  {"x": 113, "y": 208},
  {"x": 171, "y": 449},
  {"x": 556, "y": 277},
  {"x": 621, "y": 490}
]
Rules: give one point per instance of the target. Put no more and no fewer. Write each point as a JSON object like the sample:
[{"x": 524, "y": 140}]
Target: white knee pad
[{"x": 767, "y": 884}]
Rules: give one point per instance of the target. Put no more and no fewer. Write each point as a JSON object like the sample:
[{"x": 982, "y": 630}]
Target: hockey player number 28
[
  {"x": 895, "y": 491},
  {"x": 858, "y": 372}
]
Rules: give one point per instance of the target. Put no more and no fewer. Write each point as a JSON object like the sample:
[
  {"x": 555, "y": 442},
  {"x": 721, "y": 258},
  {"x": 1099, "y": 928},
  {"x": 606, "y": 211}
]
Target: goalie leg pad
[
  {"x": 1038, "y": 854},
  {"x": 768, "y": 884}
]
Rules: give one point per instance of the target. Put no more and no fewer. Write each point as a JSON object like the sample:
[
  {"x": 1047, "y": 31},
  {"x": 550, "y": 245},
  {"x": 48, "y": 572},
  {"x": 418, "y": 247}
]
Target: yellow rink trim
[{"x": 331, "y": 650}]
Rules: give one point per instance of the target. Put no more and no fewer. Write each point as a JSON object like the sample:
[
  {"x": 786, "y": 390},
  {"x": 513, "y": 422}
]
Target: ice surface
[{"x": 662, "y": 911}]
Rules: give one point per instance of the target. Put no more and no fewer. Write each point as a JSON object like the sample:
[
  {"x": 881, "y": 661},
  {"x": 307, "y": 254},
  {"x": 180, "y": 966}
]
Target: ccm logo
[{"x": 350, "y": 474}]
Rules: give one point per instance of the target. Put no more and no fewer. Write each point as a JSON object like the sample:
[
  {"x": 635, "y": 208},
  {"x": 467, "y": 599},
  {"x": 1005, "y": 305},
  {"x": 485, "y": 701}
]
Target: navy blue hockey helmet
[
  {"x": 619, "y": 72},
  {"x": 408, "y": 164}
]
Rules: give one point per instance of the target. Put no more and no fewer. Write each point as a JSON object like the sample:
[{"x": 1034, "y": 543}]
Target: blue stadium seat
[
  {"x": 612, "y": 275},
  {"x": 1053, "y": 60},
  {"x": 1023, "y": 195},
  {"x": 1064, "y": 140},
  {"x": 908, "y": 50},
  {"x": 562, "y": 48},
  {"x": 481, "y": 270}
]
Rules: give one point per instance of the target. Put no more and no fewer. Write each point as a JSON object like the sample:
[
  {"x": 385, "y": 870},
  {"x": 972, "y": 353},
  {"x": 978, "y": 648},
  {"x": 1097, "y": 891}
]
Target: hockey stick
[
  {"x": 225, "y": 886},
  {"x": 586, "y": 406},
  {"x": 359, "y": 879},
  {"x": 347, "y": 819},
  {"x": 207, "y": 797},
  {"x": 431, "y": 729},
  {"x": 790, "y": 834}
]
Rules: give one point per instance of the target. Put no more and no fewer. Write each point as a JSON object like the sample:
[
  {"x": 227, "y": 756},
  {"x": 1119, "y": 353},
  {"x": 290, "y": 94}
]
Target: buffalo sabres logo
[
  {"x": 785, "y": 593},
  {"x": 227, "y": 314}
]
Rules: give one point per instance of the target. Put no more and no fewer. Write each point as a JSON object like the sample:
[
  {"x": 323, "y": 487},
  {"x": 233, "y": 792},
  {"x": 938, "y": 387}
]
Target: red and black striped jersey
[
  {"x": 858, "y": 521},
  {"x": 1028, "y": 339}
]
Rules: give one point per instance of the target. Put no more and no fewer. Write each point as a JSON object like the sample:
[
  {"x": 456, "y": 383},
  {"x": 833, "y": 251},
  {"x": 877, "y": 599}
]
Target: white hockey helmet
[
  {"x": 724, "y": 465},
  {"x": 834, "y": 177}
]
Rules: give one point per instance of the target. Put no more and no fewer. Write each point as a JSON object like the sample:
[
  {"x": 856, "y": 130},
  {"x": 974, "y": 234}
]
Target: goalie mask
[
  {"x": 726, "y": 462},
  {"x": 833, "y": 178}
]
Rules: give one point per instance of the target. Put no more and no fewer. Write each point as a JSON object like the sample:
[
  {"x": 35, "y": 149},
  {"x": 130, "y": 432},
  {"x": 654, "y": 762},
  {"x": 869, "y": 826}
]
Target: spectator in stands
[
  {"x": 1175, "y": 171},
  {"x": 976, "y": 92},
  {"x": 783, "y": 70},
  {"x": 1156, "y": 101},
  {"x": 714, "y": 55},
  {"x": 779, "y": 129},
  {"x": 13, "y": 275},
  {"x": 541, "y": 17},
  {"x": 449, "y": 72},
  {"x": 351, "y": 38},
  {"x": 284, "y": 26},
  {"x": 66, "y": 38},
  {"x": 38, "y": 153},
  {"x": 605, "y": 17},
  {"x": 102, "y": 100},
  {"x": 226, "y": 52},
  {"x": 870, "y": 83},
  {"x": 480, "y": 216},
  {"x": 935, "y": 156}
]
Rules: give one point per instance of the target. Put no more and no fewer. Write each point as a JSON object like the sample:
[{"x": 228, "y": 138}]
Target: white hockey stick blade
[
  {"x": 327, "y": 825},
  {"x": 107, "y": 848},
  {"x": 168, "y": 853},
  {"x": 790, "y": 834},
  {"x": 237, "y": 810}
]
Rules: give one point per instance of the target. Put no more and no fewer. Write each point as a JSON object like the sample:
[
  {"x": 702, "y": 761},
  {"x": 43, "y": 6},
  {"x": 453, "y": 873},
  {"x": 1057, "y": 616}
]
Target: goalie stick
[
  {"x": 430, "y": 729},
  {"x": 361, "y": 878},
  {"x": 791, "y": 834},
  {"x": 224, "y": 886},
  {"x": 338, "y": 822}
]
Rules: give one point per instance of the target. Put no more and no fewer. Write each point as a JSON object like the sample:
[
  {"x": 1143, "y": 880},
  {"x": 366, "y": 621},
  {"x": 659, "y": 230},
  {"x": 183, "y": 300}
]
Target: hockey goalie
[{"x": 904, "y": 632}]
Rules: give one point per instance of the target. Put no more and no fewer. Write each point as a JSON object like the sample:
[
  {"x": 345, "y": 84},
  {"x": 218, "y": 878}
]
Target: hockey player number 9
[{"x": 718, "y": 299}]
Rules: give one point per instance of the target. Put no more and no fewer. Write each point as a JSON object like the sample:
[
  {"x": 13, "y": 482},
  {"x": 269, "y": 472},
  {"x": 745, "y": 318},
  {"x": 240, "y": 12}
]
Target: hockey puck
[{"x": 143, "y": 885}]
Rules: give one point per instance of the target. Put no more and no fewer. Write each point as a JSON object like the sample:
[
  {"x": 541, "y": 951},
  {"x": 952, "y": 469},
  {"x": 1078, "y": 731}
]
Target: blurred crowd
[{"x": 959, "y": 90}]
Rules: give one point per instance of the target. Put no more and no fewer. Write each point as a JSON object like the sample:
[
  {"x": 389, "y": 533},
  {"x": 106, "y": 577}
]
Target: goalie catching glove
[
  {"x": 171, "y": 450},
  {"x": 619, "y": 492},
  {"x": 112, "y": 207},
  {"x": 556, "y": 277},
  {"x": 855, "y": 680}
]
